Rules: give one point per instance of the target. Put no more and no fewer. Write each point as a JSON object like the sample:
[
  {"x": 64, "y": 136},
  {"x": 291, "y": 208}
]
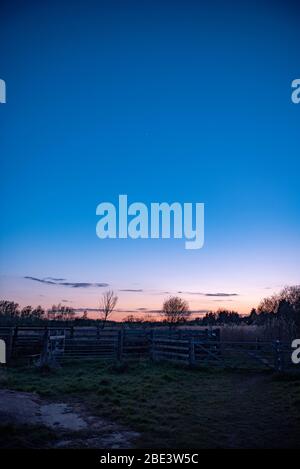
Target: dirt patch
[{"x": 73, "y": 425}]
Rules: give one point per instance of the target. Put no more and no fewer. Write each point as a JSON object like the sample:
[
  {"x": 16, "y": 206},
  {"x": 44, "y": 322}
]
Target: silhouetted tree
[
  {"x": 209, "y": 319},
  {"x": 38, "y": 313},
  {"x": 26, "y": 312},
  {"x": 251, "y": 319},
  {"x": 84, "y": 316},
  {"x": 9, "y": 309},
  {"x": 175, "y": 311},
  {"x": 283, "y": 306},
  {"x": 228, "y": 317},
  {"x": 108, "y": 304},
  {"x": 61, "y": 313}
]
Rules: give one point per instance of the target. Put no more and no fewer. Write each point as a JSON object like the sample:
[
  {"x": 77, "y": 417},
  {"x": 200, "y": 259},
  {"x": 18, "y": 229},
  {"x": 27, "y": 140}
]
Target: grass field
[{"x": 170, "y": 406}]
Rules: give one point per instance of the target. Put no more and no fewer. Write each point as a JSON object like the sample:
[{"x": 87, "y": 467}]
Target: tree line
[{"x": 282, "y": 308}]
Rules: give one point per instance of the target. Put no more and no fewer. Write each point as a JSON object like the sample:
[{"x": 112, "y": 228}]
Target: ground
[
  {"x": 68, "y": 425},
  {"x": 149, "y": 405}
]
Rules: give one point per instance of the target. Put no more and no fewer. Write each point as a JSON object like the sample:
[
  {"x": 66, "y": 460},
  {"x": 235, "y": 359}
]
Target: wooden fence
[
  {"x": 90, "y": 342},
  {"x": 273, "y": 355},
  {"x": 187, "y": 346}
]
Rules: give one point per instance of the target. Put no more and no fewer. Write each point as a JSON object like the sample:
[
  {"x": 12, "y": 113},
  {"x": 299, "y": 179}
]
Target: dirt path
[{"x": 72, "y": 424}]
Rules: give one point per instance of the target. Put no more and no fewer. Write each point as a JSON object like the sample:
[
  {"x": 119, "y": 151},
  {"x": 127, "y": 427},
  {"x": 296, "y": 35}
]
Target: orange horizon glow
[{"x": 136, "y": 301}]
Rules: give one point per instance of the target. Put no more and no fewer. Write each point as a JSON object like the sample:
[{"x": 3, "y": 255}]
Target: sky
[{"x": 163, "y": 101}]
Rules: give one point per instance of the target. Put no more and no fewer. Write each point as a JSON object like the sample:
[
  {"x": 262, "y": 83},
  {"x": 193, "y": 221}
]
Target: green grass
[{"x": 174, "y": 406}]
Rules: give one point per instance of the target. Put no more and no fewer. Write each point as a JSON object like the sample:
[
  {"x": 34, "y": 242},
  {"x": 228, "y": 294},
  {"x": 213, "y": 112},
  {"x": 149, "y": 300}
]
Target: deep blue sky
[{"x": 163, "y": 101}]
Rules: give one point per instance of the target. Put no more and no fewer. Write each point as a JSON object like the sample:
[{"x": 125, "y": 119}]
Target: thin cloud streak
[
  {"x": 207, "y": 294},
  {"x": 67, "y": 284},
  {"x": 55, "y": 279}
]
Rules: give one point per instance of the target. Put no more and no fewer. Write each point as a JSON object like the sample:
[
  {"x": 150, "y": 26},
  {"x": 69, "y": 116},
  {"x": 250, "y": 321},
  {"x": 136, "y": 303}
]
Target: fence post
[
  {"x": 151, "y": 345},
  {"x": 9, "y": 348},
  {"x": 279, "y": 361},
  {"x": 120, "y": 344},
  {"x": 46, "y": 353},
  {"x": 192, "y": 351},
  {"x": 14, "y": 341}
]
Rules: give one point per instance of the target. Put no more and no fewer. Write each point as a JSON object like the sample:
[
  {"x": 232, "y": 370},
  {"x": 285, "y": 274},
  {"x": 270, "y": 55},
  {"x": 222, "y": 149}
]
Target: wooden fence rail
[
  {"x": 186, "y": 346},
  {"x": 81, "y": 342}
]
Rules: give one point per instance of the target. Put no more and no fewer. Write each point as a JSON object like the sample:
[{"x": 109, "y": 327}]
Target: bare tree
[
  {"x": 283, "y": 308},
  {"x": 271, "y": 303},
  {"x": 175, "y": 311},
  {"x": 108, "y": 304},
  {"x": 9, "y": 309}
]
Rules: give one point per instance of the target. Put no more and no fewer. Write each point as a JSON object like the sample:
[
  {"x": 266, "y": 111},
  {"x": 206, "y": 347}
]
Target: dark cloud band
[{"x": 47, "y": 281}]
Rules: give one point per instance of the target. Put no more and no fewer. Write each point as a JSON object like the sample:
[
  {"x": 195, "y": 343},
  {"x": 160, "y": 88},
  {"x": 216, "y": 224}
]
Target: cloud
[
  {"x": 66, "y": 284},
  {"x": 55, "y": 279},
  {"x": 41, "y": 280},
  {"x": 193, "y": 311},
  {"x": 117, "y": 310},
  {"x": 137, "y": 311},
  {"x": 82, "y": 284},
  {"x": 208, "y": 294},
  {"x": 132, "y": 290},
  {"x": 161, "y": 293},
  {"x": 190, "y": 293},
  {"x": 221, "y": 294}
]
